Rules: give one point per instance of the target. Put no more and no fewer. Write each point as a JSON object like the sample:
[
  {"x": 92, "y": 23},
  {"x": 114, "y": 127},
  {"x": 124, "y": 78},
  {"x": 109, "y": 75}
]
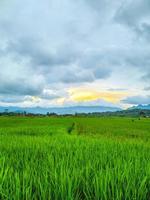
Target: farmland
[{"x": 73, "y": 158}]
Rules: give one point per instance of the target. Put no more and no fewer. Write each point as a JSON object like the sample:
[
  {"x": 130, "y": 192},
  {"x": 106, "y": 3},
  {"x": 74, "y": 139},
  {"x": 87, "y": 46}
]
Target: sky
[{"x": 74, "y": 52}]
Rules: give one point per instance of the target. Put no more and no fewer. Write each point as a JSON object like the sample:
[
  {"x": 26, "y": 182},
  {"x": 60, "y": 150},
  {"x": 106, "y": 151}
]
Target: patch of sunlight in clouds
[{"x": 85, "y": 94}]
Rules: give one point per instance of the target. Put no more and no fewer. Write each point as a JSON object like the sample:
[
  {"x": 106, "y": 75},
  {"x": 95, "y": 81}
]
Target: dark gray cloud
[
  {"x": 19, "y": 79},
  {"x": 101, "y": 73},
  {"x": 40, "y": 55},
  {"x": 12, "y": 99},
  {"x": 135, "y": 15},
  {"x": 77, "y": 76},
  {"x": 49, "y": 96},
  {"x": 147, "y": 88},
  {"x": 146, "y": 77},
  {"x": 72, "y": 66},
  {"x": 137, "y": 100},
  {"x": 20, "y": 87}
]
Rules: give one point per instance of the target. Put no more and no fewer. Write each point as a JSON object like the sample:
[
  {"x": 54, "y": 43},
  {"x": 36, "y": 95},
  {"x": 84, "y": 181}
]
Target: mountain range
[
  {"x": 141, "y": 107},
  {"x": 60, "y": 110},
  {"x": 69, "y": 110}
]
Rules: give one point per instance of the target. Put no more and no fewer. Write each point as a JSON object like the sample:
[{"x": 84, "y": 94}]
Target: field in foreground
[{"x": 74, "y": 158}]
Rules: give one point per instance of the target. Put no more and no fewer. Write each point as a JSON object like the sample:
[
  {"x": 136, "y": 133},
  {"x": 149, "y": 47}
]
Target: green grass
[{"x": 99, "y": 159}]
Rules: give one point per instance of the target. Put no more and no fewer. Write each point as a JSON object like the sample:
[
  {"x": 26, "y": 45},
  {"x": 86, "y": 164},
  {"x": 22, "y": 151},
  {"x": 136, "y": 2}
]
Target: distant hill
[
  {"x": 61, "y": 110},
  {"x": 126, "y": 113},
  {"x": 141, "y": 107}
]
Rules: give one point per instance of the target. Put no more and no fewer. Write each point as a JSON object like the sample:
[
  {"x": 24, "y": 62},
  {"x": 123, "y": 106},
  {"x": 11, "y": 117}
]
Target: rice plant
[{"x": 54, "y": 165}]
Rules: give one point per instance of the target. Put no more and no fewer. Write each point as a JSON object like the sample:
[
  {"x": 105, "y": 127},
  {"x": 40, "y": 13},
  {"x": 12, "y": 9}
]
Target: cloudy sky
[{"x": 74, "y": 52}]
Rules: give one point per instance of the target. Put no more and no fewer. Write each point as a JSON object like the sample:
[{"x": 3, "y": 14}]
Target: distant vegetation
[
  {"x": 122, "y": 113},
  {"x": 74, "y": 158}
]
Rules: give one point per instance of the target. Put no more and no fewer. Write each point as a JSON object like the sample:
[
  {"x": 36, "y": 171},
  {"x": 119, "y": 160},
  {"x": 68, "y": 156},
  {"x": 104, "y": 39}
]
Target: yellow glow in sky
[{"x": 84, "y": 94}]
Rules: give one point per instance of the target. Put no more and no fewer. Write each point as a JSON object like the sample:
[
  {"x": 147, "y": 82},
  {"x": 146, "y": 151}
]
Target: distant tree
[
  {"x": 51, "y": 114},
  {"x": 142, "y": 114},
  {"x": 47, "y": 113}
]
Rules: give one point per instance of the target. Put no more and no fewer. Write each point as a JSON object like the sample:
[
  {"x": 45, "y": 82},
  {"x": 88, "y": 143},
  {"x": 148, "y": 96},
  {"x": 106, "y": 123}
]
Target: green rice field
[{"x": 74, "y": 158}]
